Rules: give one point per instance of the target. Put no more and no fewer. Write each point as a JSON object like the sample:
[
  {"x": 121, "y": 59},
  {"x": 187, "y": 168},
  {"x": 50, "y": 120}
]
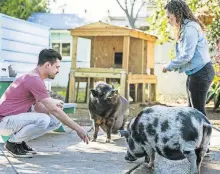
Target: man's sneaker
[
  {"x": 17, "y": 150},
  {"x": 28, "y": 148}
]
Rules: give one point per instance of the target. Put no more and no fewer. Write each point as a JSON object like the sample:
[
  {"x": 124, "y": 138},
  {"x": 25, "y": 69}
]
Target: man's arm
[
  {"x": 51, "y": 106},
  {"x": 39, "y": 107}
]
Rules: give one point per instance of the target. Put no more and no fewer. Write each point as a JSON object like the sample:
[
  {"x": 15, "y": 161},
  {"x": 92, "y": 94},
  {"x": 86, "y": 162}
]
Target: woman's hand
[{"x": 164, "y": 70}]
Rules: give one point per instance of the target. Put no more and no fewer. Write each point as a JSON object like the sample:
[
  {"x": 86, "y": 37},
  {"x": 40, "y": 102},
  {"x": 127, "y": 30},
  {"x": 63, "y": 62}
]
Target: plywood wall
[
  {"x": 103, "y": 49},
  {"x": 145, "y": 56},
  {"x": 150, "y": 54},
  {"x": 135, "y": 58}
]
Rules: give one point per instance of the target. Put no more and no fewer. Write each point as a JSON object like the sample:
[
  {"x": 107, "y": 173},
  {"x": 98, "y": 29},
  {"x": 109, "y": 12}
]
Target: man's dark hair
[{"x": 48, "y": 55}]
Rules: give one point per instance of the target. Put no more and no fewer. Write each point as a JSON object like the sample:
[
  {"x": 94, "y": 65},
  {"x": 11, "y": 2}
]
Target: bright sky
[{"x": 96, "y": 9}]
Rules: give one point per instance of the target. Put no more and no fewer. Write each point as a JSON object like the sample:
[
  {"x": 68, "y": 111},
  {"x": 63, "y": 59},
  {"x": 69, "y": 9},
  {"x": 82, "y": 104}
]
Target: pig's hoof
[
  {"x": 93, "y": 140},
  {"x": 150, "y": 165},
  {"x": 109, "y": 141}
]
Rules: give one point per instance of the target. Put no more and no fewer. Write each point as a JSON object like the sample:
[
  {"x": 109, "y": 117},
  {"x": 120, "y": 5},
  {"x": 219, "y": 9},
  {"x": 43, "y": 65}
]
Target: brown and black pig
[{"x": 107, "y": 109}]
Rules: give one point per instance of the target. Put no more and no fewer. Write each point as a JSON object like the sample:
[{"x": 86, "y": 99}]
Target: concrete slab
[{"x": 66, "y": 153}]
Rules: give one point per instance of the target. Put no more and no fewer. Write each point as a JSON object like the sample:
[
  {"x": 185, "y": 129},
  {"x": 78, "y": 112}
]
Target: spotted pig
[{"x": 173, "y": 132}]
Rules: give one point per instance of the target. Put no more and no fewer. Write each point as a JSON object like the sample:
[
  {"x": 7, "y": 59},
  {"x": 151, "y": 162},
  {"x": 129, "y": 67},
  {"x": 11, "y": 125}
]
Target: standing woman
[{"x": 192, "y": 53}]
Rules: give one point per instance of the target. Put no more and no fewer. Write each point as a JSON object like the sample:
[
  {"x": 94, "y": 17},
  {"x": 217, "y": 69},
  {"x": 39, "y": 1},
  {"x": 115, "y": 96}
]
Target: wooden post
[
  {"x": 128, "y": 91},
  {"x": 72, "y": 87},
  {"x": 74, "y": 52},
  {"x": 92, "y": 55},
  {"x": 143, "y": 92},
  {"x": 136, "y": 93},
  {"x": 142, "y": 57},
  {"x": 152, "y": 88},
  {"x": 77, "y": 91},
  {"x": 150, "y": 54},
  {"x": 123, "y": 83},
  {"x": 88, "y": 90},
  {"x": 152, "y": 92},
  {"x": 126, "y": 49}
]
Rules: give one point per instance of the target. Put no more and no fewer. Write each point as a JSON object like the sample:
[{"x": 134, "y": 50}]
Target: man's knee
[
  {"x": 54, "y": 122},
  {"x": 43, "y": 121}
]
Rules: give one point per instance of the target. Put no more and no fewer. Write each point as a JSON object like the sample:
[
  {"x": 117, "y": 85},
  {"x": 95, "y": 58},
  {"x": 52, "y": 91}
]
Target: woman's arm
[{"x": 188, "y": 46}]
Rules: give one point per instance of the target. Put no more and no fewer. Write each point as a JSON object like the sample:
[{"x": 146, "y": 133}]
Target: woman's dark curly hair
[{"x": 182, "y": 11}]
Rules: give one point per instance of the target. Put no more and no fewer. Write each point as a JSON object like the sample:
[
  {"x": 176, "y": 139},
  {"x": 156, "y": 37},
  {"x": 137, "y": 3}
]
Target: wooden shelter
[{"x": 117, "y": 53}]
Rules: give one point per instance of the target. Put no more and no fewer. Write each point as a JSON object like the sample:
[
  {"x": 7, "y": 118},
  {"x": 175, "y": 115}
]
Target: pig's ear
[
  {"x": 94, "y": 92},
  {"x": 123, "y": 133}
]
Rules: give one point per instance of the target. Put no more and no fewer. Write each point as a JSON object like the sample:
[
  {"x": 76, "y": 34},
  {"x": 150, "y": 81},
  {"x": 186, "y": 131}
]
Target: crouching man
[{"x": 21, "y": 125}]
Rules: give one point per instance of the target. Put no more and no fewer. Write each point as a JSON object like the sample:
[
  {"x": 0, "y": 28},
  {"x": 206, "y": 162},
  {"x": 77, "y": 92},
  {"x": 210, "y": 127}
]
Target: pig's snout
[{"x": 111, "y": 94}]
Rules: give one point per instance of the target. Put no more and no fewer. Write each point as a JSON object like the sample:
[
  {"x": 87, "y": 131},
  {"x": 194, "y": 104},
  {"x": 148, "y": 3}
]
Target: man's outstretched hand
[{"x": 83, "y": 135}]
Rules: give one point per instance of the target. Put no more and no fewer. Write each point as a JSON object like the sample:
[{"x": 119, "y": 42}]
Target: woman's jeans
[{"x": 197, "y": 86}]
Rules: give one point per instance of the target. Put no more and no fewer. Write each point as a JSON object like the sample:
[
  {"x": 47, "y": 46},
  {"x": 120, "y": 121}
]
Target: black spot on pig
[
  {"x": 155, "y": 123},
  {"x": 148, "y": 110},
  {"x": 188, "y": 131},
  {"x": 134, "y": 129},
  {"x": 156, "y": 138},
  {"x": 142, "y": 135},
  {"x": 131, "y": 144},
  {"x": 150, "y": 130},
  {"x": 158, "y": 151},
  {"x": 173, "y": 154},
  {"x": 164, "y": 126},
  {"x": 209, "y": 131},
  {"x": 165, "y": 140}
]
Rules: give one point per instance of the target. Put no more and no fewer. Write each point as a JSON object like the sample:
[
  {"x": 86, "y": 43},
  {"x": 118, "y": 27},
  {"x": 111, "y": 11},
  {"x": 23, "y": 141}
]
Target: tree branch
[
  {"x": 132, "y": 8},
  {"x": 143, "y": 3},
  {"x": 121, "y": 5}
]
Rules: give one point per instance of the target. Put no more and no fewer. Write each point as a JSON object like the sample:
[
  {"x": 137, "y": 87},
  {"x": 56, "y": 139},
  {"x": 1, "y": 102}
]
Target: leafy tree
[
  {"x": 158, "y": 21},
  {"x": 22, "y": 8}
]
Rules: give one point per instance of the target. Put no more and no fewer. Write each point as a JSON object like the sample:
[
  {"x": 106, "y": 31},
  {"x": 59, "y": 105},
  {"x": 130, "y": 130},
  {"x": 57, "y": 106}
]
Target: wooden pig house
[{"x": 117, "y": 54}]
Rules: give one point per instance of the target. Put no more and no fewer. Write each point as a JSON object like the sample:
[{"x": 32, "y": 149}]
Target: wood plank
[
  {"x": 135, "y": 56},
  {"x": 77, "y": 90},
  {"x": 97, "y": 75},
  {"x": 143, "y": 70},
  {"x": 123, "y": 83},
  {"x": 74, "y": 52},
  {"x": 104, "y": 29},
  {"x": 143, "y": 92},
  {"x": 105, "y": 48},
  {"x": 99, "y": 33},
  {"x": 126, "y": 52},
  {"x": 150, "y": 81},
  {"x": 92, "y": 56},
  {"x": 143, "y": 35},
  {"x": 142, "y": 78},
  {"x": 128, "y": 91},
  {"x": 99, "y": 70},
  {"x": 152, "y": 92},
  {"x": 150, "y": 54},
  {"x": 88, "y": 90},
  {"x": 136, "y": 92},
  {"x": 72, "y": 88}
]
